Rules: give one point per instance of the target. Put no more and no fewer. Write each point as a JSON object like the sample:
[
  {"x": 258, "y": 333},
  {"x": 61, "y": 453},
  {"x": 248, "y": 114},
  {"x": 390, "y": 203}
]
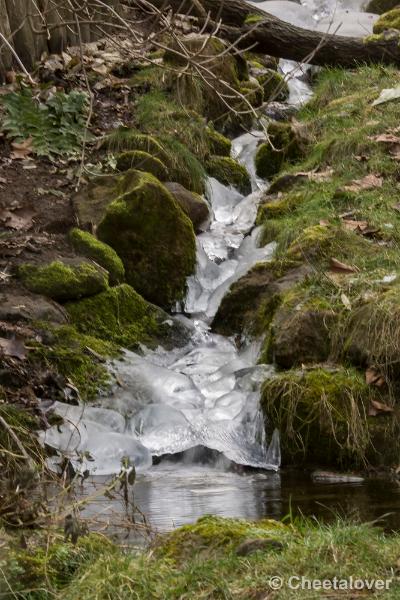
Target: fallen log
[{"x": 277, "y": 38}]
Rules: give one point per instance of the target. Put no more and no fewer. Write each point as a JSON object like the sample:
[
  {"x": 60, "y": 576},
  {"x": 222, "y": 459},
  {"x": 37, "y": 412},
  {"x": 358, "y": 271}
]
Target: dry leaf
[
  {"x": 385, "y": 138},
  {"x": 21, "y": 150},
  {"x": 368, "y": 182},
  {"x": 346, "y": 302},
  {"x": 336, "y": 265},
  {"x": 355, "y": 225},
  {"x": 374, "y": 377},
  {"x": 377, "y": 408}
]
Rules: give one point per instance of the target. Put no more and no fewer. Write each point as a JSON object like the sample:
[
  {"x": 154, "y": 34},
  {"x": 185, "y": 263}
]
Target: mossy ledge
[
  {"x": 229, "y": 172},
  {"x": 88, "y": 245},
  {"x": 64, "y": 281}
]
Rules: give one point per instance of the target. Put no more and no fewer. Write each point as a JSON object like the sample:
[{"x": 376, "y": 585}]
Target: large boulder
[
  {"x": 192, "y": 204},
  {"x": 64, "y": 280},
  {"x": 153, "y": 237}
]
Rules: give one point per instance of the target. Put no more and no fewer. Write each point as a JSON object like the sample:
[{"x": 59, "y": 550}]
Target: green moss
[
  {"x": 143, "y": 161},
  {"x": 313, "y": 241},
  {"x": 279, "y": 207},
  {"x": 310, "y": 406},
  {"x": 183, "y": 166},
  {"x": 118, "y": 315},
  {"x": 153, "y": 237},
  {"x": 254, "y": 94},
  {"x": 218, "y": 143},
  {"x": 213, "y": 534},
  {"x": 62, "y": 281},
  {"x": 229, "y": 172},
  {"x": 274, "y": 85},
  {"x": 251, "y": 19},
  {"x": 284, "y": 146},
  {"x": 88, "y": 245},
  {"x": 70, "y": 353},
  {"x": 389, "y": 20}
]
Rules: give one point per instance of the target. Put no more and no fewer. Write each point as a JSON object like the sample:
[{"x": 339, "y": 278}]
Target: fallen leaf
[
  {"x": 387, "y": 95},
  {"x": 3, "y": 180},
  {"x": 362, "y": 157},
  {"x": 374, "y": 377},
  {"x": 324, "y": 223},
  {"x": 345, "y": 301},
  {"x": 385, "y": 138},
  {"x": 355, "y": 225},
  {"x": 368, "y": 182},
  {"x": 396, "y": 207},
  {"x": 13, "y": 347},
  {"x": 338, "y": 266},
  {"x": 378, "y": 407},
  {"x": 17, "y": 220},
  {"x": 21, "y": 149}
]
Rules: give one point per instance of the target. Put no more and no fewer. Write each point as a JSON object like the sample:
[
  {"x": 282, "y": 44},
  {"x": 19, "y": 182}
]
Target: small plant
[{"x": 56, "y": 126}]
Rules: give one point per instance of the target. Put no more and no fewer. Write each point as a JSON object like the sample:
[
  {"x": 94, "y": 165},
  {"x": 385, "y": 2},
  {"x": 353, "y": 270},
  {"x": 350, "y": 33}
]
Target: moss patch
[
  {"x": 143, "y": 161},
  {"x": 285, "y": 145},
  {"x": 229, "y": 172},
  {"x": 389, "y": 20},
  {"x": 88, "y": 245},
  {"x": 274, "y": 86},
  {"x": 80, "y": 358},
  {"x": 381, "y": 6},
  {"x": 118, "y": 315},
  {"x": 152, "y": 236},
  {"x": 212, "y": 535},
  {"x": 62, "y": 281},
  {"x": 311, "y": 406},
  {"x": 218, "y": 143}
]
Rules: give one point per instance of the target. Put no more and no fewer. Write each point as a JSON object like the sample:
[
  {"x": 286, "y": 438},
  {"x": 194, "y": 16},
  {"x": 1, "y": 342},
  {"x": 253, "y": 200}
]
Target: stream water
[{"x": 189, "y": 419}]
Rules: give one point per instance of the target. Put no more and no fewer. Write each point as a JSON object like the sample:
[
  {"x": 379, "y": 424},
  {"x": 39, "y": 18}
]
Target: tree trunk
[
  {"x": 22, "y": 35},
  {"x": 277, "y": 38},
  {"x": 5, "y": 54}
]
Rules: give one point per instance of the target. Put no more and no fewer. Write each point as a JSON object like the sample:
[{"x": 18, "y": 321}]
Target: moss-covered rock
[
  {"x": 192, "y": 204},
  {"x": 301, "y": 331},
  {"x": 279, "y": 206},
  {"x": 211, "y": 534},
  {"x": 287, "y": 144},
  {"x": 251, "y": 301},
  {"x": 218, "y": 143},
  {"x": 122, "y": 316},
  {"x": 153, "y": 237},
  {"x": 63, "y": 281},
  {"x": 274, "y": 85},
  {"x": 229, "y": 172},
  {"x": 88, "y": 245},
  {"x": 321, "y": 415},
  {"x": 253, "y": 91},
  {"x": 203, "y": 94},
  {"x": 142, "y": 161},
  {"x": 389, "y": 20},
  {"x": 379, "y": 7}
]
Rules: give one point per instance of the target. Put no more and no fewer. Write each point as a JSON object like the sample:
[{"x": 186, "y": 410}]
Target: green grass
[{"x": 210, "y": 567}]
